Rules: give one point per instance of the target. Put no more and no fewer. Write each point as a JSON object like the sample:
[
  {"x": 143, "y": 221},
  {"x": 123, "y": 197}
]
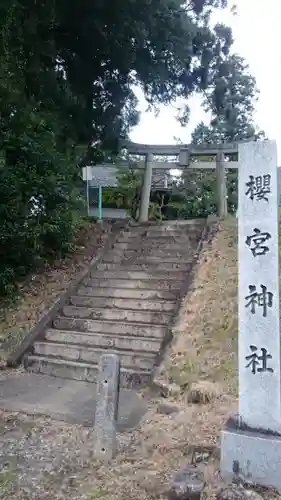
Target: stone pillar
[
  {"x": 251, "y": 443},
  {"x": 221, "y": 185},
  {"x": 146, "y": 188}
]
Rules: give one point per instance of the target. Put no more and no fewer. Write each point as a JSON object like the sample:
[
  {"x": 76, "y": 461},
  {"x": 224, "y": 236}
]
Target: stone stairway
[{"x": 126, "y": 306}]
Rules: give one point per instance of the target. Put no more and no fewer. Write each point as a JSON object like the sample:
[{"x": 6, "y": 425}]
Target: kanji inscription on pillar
[{"x": 259, "y": 335}]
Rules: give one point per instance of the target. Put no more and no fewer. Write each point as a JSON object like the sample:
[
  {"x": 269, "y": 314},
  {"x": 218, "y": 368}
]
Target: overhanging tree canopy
[
  {"x": 230, "y": 97},
  {"x": 66, "y": 75}
]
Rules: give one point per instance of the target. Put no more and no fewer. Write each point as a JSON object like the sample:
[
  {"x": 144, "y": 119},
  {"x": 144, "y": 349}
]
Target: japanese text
[
  {"x": 256, "y": 242},
  {"x": 258, "y": 187},
  {"x": 257, "y": 363},
  {"x": 263, "y": 299}
]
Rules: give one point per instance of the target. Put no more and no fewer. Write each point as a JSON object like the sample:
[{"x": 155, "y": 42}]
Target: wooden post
[
  {"x": 146, "y": 187},
  {"x": 221, "y": 186}
]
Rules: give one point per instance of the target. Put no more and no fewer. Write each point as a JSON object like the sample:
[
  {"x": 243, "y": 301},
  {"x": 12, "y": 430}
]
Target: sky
[{"x": 257, "y": 35}]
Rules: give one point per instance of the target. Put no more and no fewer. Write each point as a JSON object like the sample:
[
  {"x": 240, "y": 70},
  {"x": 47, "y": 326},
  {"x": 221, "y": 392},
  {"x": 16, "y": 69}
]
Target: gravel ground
[{"x": 40, "y": 458}]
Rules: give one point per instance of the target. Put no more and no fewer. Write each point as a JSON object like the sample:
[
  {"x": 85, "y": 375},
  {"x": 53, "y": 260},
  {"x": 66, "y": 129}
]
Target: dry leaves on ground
[
  {"x": 205, "y": 336},
  {"x": 41, "y": 289}
]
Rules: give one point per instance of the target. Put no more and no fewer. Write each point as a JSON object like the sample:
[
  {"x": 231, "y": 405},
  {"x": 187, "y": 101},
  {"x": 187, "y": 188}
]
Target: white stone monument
[{"x": 251, "y": 442}]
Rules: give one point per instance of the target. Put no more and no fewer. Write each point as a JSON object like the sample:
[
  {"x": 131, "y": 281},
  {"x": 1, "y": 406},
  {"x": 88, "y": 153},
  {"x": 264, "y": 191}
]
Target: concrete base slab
[
  {"x": 63, "y": 399},
  {"x": 253, "y": 457}
]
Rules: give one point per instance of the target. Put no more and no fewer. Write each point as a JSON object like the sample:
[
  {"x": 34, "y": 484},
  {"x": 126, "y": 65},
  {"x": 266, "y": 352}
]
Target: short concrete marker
[{"x": 105, "y": 446}]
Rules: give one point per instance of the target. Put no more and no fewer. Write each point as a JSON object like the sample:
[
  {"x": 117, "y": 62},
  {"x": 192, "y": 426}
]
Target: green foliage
[
  {"x": 106, "y": 48},
  {"x": 38, "y": 197},
  {"x": 155, "y": 211},
  {"x": 39, "y": 171},
  {"x": 129, "y": 185},
  {"x": 7, "y": 481},
  {"x": 67, "y": 73},
  {"x": 113, "y": 198},
  {"x": 127, "y": 193},
  {"x": 230, "y": 97},
  {"x": 196, "y": 195}
]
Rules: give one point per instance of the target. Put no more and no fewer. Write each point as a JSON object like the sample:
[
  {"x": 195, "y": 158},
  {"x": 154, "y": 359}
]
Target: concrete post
[
  {"x": 221, "y": 185},
  {"x": 146, "y": 187},
  {"x": 107, "y": 400}
]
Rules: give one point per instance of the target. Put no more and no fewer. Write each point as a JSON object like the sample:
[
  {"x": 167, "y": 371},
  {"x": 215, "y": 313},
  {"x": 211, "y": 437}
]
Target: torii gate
[
  {"x": 188, "y": 156},
  {"x": 184, "y": 152}
]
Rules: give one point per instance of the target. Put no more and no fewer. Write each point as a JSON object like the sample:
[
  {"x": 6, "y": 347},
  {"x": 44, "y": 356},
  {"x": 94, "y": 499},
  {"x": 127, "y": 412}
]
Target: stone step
[
  {"x": 158, "y": 276},
  {"x": 179, "y": 246},
  {"x": 117, "y": 303},
  {"x": 141, "y": 284},
  {"x": 152, "y": 247},
  {"x": 155, "y": 230},
  {"x": 128, "y": 237},
  {"x": 127, "y": 293},
  {"x": 125, "y": 307},
  {"x": 106, "y": 326},
  {"x": 140, "y": 233},
  {"x": 160, "y": 239},
  {"x": 87, "y": 354},
  {"x": 150, "y": 255},
  {"x": 172, "y": 233},
  {"x": 129, "y": 378},
  {"x": 106, "y": 340},
  {"x": 188, "y": 224},
  {"x": 153, "y": 317},
  {"x": 145, "y": 265}
]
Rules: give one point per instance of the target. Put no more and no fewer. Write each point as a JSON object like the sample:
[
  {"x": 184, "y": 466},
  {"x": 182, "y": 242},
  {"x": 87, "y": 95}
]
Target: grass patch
[
  {"x": 205, "y": 346},
  {"x": 7, "y": 481},
  {"x": 97, "y": 493},
  {"x": 203, "y": 392}
]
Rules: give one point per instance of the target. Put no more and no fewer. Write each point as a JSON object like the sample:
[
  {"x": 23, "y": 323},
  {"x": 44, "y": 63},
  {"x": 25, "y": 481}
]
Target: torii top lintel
[{"x": 174, "y": 149}]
